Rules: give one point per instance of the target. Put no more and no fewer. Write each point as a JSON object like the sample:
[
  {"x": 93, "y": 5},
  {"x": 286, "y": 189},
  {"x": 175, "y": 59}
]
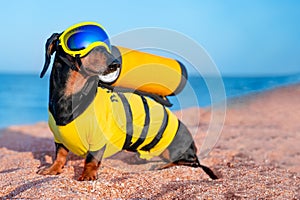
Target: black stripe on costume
[
  {"x": 129, "y": 125},
  {"x": 144, "y": 132},
  {"x": 159, "y": 135}
]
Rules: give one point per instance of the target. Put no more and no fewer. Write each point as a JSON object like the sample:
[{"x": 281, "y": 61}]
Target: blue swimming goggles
[{"x": 80, "y": 39}]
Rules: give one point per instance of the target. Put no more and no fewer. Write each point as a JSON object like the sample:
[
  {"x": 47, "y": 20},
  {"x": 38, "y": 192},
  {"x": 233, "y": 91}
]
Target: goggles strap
[
  {"x": 79, "y": 65},
  {"x": 78, "y": 61},
  {"x": 67, "y": 62},
  {"x": 74, "y": 66}
]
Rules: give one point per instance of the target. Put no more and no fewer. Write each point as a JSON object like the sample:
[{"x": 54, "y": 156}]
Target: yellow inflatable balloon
[{"x": 147, "y": 72}]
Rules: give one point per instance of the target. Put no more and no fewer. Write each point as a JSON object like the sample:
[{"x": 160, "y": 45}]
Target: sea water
[{"x": 24, "y": 97}]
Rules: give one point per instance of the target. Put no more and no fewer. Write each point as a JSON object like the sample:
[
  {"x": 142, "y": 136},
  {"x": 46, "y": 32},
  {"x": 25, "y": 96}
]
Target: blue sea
[{"x": 24, "y": 97}]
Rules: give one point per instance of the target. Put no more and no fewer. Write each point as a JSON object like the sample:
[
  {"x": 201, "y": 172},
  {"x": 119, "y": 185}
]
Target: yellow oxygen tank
[{"x": 147, "y": 72}]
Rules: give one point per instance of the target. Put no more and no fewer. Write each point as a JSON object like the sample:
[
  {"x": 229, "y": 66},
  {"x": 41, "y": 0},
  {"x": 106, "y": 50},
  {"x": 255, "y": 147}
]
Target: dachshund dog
[{"x": 95, "y": 121}]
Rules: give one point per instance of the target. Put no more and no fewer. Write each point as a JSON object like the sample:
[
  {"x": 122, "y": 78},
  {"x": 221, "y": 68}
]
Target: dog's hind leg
[
  {"x": 183, "y": 151},
  {"x": 59, "y": 162}
]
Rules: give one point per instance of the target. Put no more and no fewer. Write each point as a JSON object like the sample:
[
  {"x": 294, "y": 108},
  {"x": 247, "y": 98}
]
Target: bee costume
[{"x": 119, "y": 121}]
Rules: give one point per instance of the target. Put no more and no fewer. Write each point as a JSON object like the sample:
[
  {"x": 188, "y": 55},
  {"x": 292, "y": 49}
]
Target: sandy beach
[{"x": 256, "y": 157}]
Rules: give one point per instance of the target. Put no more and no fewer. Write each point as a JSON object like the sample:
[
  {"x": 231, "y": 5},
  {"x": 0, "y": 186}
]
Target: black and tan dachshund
[{"x": 94, "y": 121}]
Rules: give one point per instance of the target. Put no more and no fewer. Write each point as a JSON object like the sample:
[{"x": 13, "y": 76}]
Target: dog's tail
[
  {"x": 183, "y": 151},
  {"x": 189, "y": 158},
  {"x": 207, "y": 170}
]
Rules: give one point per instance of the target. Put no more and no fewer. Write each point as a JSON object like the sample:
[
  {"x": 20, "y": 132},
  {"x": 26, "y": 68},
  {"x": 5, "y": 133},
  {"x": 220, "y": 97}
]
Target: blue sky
[{"x": 254, "y": 37}]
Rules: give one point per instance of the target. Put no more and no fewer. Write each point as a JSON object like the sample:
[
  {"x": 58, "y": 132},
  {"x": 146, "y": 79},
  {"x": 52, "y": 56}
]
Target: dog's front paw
[
  {"x": 88, "y": 175},
  {"x": 52, "y": 170}
]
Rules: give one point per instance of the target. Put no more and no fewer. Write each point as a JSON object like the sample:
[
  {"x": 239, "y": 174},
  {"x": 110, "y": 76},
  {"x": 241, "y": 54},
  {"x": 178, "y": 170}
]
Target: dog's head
[
  {"x": 74, "y": 80},
  {"x": 97, "y": 62}
]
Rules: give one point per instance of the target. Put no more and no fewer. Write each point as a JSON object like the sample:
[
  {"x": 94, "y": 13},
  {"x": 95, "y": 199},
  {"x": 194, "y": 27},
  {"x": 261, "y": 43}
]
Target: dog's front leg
[
  {"x": 91, "y": 165},
  {"x": 59, "y": 162}
]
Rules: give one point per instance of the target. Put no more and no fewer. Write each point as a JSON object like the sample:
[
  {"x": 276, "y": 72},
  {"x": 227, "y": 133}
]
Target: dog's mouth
[
  {"x": 111, "y": 73},
  {"x": 113, "y": 67}
]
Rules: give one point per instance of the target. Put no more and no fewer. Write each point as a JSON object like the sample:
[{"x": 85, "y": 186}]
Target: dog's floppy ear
[{"x": 50, "y": 49}]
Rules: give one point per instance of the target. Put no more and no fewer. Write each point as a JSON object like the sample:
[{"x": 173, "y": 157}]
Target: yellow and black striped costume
[{"x": 118, "y": 121}]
